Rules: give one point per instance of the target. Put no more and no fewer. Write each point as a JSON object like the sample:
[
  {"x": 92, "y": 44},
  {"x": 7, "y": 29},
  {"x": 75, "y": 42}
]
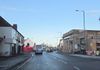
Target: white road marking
[
  {"x": 58, "y": 59},
  {"x": 24, "y": 63},
  {"x": 77, "y": 68},
  {"x": 32, "y": 54},
  {"x": 62, "y": 61}
]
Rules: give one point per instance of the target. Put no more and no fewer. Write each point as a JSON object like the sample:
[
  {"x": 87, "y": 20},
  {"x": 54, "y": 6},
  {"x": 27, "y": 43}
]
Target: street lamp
[
  {"x": 83, "y": 17},
  {"x": 83, "y": 12}
]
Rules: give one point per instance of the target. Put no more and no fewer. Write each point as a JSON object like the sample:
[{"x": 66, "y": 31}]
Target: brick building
[{"x": 80, "y": 41}]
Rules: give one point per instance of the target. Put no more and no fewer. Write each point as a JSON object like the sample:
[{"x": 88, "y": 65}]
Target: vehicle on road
[
  {"x": 39, "y": 49},
  {"x": 49, "y": 49}
]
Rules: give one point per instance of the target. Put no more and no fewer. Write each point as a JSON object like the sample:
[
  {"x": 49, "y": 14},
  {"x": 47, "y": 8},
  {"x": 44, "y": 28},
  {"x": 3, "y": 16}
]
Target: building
[
  {"x": 80, "y": 41},
  {"x": 11, "y": 39},
  {"x": 60, "y": 46},
  {"x": 26, "y": 41},
  {"x": 29, "y": 45}
]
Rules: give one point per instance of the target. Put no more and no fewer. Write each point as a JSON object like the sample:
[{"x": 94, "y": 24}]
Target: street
[
  {"x": 49, "y": 35},
  {"x": 55, "y": 61}
]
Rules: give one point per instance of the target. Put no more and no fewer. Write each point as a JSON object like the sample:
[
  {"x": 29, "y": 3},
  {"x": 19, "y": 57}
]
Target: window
[{"x": 97, "y": 44}]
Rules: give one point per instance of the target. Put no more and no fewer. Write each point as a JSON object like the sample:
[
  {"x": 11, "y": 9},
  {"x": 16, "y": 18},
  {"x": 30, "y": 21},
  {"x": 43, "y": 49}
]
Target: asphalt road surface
[{"x": 55, "y": 61}]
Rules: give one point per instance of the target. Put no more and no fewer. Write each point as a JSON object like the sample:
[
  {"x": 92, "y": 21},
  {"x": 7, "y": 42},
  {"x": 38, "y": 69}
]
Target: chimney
[{"x": 15, "y": 26}]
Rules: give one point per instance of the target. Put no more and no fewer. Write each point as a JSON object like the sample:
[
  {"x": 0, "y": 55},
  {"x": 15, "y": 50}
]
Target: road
[{"x": 55, "y": 61}]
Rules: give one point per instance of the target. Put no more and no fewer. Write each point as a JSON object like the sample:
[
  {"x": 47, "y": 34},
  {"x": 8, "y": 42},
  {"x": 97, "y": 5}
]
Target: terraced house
[
  {"x": 80, "y": 41},
  {"x": 11, "y": 40}
]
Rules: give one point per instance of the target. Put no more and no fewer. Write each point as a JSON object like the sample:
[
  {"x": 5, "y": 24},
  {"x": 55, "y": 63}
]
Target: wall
[
  {"x": 5, "y": 50},
  {"x": 10, "y": 38},
  {"x": 5, "y": 31},
  {"x": 75, "y": 42},
  {"x": 28, "y": 41},
  {"x": 4, "y": 45}
]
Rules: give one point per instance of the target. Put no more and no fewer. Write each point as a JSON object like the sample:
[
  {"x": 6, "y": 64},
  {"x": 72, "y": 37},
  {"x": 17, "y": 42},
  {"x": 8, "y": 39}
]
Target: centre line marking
[{"x": 77, "y": 68}]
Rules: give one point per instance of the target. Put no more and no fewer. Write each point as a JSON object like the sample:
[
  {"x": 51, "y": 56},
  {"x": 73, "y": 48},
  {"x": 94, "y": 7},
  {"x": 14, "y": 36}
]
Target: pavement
[
  {"x": 80, "y": 55},
  {"x": 7, "y": 63},
  {"x": 86, "y": 56}
]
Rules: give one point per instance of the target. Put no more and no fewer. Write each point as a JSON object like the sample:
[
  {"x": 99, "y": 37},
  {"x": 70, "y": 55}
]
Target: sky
[{"x": 45, "y": 21}]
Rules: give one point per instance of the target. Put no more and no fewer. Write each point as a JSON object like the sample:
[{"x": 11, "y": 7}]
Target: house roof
[{"x": 4, "y": 23}]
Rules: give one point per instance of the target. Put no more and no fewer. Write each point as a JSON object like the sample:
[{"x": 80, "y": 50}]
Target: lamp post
[{"x": 83, "y": 13}]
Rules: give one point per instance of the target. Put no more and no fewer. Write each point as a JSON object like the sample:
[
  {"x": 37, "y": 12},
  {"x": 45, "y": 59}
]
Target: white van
[{"x": 39, "y": 49}]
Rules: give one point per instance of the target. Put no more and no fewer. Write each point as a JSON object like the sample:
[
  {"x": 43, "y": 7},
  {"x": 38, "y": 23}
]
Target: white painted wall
[
  {"x": 14, "y": 35},
  {"x": 10, "y": 37},
  {"x": 28, "y": 41},
  {"x": 5, "y": 49},
  {"x": 10, "y": 33},
  {"x": 5, "y": 31}
]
